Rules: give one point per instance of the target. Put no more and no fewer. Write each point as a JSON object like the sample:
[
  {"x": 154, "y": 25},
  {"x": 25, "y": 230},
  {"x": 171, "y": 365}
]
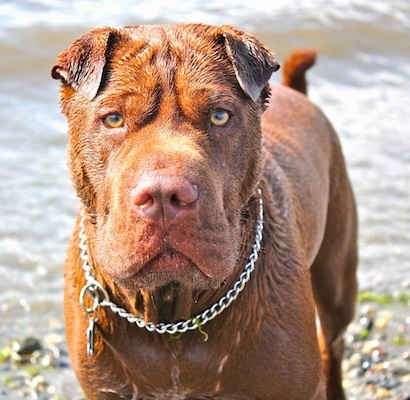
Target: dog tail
[{"x": 296, "y": 65}]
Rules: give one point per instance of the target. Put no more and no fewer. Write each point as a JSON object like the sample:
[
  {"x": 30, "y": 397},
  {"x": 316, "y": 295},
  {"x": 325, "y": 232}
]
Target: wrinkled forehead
[{"x": 167, "y": 55}]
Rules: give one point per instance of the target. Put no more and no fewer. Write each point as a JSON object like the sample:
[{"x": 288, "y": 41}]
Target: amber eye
[
  {"x": 219, "y": 117},
  {"x": 114, "y": 120}
]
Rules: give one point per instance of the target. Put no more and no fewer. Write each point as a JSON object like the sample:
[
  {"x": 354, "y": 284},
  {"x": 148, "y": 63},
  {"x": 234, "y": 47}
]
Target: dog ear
[
  {"x": 81, "y": 65},
  {"x": 252, "y": 61}
]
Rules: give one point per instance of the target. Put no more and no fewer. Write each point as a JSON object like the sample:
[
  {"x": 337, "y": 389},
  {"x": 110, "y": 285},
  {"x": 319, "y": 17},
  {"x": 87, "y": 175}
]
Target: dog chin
[
  {"x": 169, "y": 267},
  {"x": 145, "y": 279}
]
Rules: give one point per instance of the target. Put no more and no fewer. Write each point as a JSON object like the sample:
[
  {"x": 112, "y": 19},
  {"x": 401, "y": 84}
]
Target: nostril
[
  {"x": 185, "y": 195},
  {"x": 143, "y": 199},
  {"x": 175, "y": 201}
]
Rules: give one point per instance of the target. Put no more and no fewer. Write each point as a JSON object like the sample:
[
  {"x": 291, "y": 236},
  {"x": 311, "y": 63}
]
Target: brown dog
[{"x": 167, "y": 155}]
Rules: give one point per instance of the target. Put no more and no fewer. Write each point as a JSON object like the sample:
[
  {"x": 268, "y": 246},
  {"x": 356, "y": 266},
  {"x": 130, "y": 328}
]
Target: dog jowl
[{"x": 176, "y": 143}]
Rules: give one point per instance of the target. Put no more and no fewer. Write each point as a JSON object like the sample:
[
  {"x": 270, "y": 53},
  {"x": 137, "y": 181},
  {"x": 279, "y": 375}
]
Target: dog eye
[
  {"x": 114, "y": 120},
  {"x": 220, "y": 117}
]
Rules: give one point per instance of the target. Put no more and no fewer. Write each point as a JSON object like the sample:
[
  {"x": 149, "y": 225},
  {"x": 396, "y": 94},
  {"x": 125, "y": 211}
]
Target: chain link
[{"x": 92, "y": 288}]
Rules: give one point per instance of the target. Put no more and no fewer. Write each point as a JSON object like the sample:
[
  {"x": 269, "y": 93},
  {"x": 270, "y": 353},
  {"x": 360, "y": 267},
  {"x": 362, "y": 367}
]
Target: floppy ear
[
  {"x": 252, "y": 61},
  {"x": 81, "y": 65}
]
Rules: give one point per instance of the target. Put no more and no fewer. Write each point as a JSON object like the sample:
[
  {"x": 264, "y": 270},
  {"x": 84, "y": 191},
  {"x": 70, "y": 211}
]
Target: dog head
[{"x": 165, "y": 147}]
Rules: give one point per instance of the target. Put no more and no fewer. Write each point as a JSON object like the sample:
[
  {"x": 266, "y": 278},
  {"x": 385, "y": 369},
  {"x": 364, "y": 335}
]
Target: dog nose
[{"x": 168, "y": 197}]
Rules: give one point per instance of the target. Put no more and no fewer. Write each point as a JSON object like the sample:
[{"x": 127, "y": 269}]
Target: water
[{"x": 361, "y": 81}]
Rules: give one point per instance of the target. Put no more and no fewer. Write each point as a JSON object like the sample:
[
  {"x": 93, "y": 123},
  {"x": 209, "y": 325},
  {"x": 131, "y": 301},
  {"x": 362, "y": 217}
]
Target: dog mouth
[
  {"x": 168, "y": 261},
  {"x": 168, "y": 266}
]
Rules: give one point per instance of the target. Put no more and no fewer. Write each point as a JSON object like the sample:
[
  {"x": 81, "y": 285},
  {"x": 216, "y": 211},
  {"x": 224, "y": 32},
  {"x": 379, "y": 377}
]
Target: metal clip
[
  {"x": 90, "y": 293},
  {"x": 90, "y": 336}
]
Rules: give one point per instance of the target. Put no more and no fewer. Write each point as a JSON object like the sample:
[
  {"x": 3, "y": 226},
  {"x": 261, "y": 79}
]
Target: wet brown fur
[{"x": 171, "y": 205}]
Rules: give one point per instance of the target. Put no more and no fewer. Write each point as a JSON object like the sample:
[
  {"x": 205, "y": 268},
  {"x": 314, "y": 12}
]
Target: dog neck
[{"x": 169, "y": 303}]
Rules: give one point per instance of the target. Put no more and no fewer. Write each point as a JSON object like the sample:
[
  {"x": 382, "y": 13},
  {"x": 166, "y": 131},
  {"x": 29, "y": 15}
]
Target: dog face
[{"x": 165, "y": 147}]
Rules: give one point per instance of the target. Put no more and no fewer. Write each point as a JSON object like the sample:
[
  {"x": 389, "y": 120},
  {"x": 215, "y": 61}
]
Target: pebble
[{"x": 23, "y": 349}]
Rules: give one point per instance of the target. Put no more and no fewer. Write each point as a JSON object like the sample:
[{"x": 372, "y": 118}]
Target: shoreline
[{"x": 376, "y": 364}]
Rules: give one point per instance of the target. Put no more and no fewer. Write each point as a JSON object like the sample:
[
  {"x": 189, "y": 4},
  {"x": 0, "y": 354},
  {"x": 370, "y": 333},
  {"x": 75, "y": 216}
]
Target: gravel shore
[
  {"x": 377, "y": 357},
  {"x": 376, "y": 364}
]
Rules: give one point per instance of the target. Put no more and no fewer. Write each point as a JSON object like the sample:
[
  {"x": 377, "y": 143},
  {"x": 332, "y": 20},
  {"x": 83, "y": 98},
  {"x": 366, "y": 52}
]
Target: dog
[{"x": 217, "y": 221}]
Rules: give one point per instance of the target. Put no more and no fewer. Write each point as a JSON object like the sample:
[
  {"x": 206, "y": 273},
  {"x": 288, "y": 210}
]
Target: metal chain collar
[{"x": 100, "y": 298}]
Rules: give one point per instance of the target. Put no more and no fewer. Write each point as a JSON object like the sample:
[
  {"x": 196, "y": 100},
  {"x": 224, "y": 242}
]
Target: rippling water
[{"x": 361, "y": 80}]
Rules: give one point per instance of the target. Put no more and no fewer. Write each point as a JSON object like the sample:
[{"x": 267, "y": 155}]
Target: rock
[{"x": 23, "y": 349}]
